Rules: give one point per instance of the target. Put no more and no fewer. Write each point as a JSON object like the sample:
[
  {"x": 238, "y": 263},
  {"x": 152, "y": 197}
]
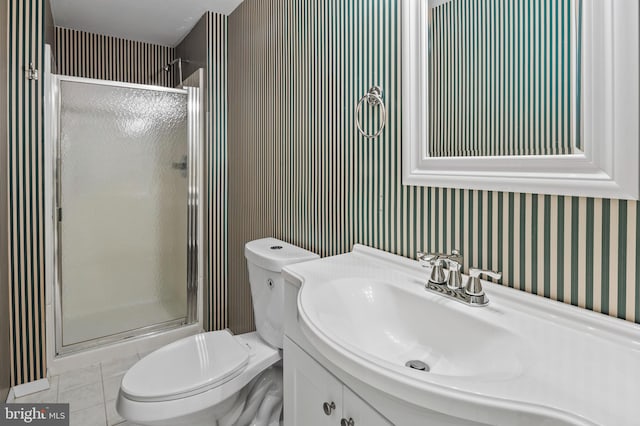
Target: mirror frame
[{"x": 609, "y": 164}]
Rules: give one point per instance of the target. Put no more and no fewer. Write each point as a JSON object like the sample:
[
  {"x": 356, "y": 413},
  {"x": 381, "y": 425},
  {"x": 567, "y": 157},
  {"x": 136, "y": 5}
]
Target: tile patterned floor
[{"x": 91, "y": 392}]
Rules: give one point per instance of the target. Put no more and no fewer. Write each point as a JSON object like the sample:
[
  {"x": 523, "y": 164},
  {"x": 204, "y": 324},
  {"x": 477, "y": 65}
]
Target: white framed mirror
[{"x": 517, "y": 96}]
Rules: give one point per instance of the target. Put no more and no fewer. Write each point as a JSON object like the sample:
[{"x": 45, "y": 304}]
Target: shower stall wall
[{"x": 127, "y": 181}]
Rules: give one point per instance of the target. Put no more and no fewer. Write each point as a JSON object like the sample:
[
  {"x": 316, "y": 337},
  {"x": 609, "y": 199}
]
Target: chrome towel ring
[{"x": 374, "y": 98}]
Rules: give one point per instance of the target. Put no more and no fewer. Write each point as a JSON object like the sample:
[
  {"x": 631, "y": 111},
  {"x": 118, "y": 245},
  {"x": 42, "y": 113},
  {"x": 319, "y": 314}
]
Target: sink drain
[{"x": 417, "y": 365}]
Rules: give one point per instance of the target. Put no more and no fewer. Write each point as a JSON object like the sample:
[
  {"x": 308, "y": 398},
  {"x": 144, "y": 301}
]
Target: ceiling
[{"x": 164, "y": 22}]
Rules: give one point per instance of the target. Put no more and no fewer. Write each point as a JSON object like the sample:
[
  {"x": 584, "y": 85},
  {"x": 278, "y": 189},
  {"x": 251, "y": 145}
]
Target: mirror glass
[{"x": 504, "y": 78}]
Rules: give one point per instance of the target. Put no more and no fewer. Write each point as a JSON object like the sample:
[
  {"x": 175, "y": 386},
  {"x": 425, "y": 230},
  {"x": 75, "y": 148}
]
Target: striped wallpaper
[
  {"x": 82, "y": 54},
  {"x": 5, "y": 316},
  {"x": 298, "y": 169},
  {"x": 26, "y": 192},
  {"x": 500, "y": 78},
  {"x": 216, "y": 179}
]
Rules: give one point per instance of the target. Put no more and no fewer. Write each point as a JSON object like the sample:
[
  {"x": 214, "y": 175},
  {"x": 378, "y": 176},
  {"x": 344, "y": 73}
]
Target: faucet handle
[
  {"x": 430, "y": 257},
  {"x": 474, "y": 285},
  {"x": 476, "y": 272},
  {"x": 424, "y": 259}
]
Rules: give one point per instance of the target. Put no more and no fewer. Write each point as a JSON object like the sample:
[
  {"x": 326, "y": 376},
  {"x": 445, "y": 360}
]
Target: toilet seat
[
  {"x": 186, "y": 367},
  {"x": 260, "y": 357}
]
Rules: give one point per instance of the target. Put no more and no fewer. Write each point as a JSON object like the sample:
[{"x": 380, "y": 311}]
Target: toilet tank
[{"x": 265, "y": 259}]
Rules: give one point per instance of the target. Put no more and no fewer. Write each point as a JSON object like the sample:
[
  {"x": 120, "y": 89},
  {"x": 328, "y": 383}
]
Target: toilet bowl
[
  {"x": 217, "y": 378},
  {"x": 196, "y": 380}
]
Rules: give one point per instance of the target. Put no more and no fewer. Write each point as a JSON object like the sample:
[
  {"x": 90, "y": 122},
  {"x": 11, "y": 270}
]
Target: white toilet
[{"x": 217, "y": 378}]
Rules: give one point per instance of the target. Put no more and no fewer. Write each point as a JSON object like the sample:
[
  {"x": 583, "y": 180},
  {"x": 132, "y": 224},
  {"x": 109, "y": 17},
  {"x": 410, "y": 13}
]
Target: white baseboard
[
  {"x": 10, "y": 396},
  {"x": 29, "y": 388}
]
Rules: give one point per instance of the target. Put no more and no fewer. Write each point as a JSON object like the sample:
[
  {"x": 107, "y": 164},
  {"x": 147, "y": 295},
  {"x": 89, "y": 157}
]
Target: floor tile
[
  {"x": 118, "y": 367},
  {"x": 83, "y": 397},
  {"x": 93, "y": 416},
  {"x": 113, "y": 418},
  {"x": 80, "y": 377},
  {"x": 111, "y": 387}
]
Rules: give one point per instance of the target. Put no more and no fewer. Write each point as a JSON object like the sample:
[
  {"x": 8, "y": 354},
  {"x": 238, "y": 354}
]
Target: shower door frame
[{"x": 194, "y": 190}]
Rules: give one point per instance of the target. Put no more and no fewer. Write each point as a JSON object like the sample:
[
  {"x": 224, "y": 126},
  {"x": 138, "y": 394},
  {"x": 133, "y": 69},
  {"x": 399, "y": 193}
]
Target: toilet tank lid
[{"x": 274, "y": 254}]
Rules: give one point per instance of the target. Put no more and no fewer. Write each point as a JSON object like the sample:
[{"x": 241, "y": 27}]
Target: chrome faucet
[{"x": 447, "y": 269}]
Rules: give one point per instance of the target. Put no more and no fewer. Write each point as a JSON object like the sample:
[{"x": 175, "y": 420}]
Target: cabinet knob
[
  {"x": 345, "y": 422},
  {"x": 328, "y": 407}
]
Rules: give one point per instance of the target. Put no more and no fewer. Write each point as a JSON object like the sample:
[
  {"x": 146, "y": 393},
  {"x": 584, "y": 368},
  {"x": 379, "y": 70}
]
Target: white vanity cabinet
[
  {"x": 314, "y": 397},
  {"x": 355, "y": 408}
]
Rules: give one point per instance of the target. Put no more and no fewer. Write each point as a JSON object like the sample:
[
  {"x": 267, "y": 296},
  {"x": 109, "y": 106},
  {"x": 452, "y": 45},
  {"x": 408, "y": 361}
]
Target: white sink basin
[
  {"x": 522, "y": 359},
  {"x": 382, "y": 320}
]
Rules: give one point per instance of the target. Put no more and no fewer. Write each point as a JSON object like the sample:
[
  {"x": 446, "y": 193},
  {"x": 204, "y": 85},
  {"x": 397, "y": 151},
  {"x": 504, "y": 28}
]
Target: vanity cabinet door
[
  {"x": 307, "y": 387},
  {"x": 360, "y": 412}
]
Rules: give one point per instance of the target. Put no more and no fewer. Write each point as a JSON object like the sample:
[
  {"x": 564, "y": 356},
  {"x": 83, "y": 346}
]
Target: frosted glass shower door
[{"x": 122, "y": 191}]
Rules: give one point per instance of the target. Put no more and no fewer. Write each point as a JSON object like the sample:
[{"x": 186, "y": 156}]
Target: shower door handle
[{"x": 181, "y": 165}]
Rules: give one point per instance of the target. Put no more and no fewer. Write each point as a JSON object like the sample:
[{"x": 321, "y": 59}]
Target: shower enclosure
[{"x": 126, "y": 201}]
